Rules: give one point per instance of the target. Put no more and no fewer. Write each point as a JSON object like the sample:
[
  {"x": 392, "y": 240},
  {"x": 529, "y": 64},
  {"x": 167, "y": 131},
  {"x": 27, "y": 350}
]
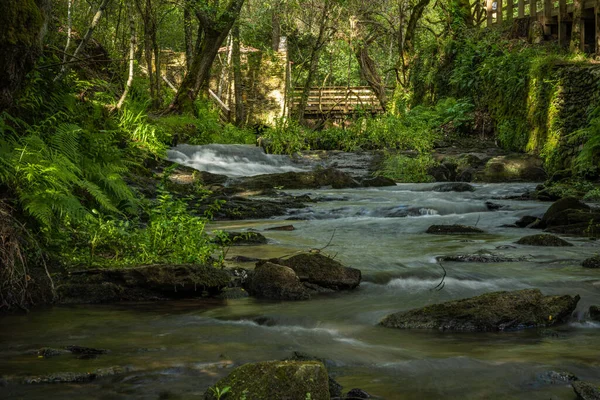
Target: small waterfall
[{"x": 231, "y": 160}]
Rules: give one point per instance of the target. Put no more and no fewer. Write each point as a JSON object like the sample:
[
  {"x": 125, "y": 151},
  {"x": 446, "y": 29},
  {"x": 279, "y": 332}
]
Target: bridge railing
[{"x": 337, "y": 101}]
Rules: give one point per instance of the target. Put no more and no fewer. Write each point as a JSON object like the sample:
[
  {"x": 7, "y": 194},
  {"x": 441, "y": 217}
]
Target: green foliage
[
  {"x": 403, "y": 168},
  {"x": 168, "y": 232},
  {"x": 220, "y": 392},
  {"x": 588, "y": 159}
]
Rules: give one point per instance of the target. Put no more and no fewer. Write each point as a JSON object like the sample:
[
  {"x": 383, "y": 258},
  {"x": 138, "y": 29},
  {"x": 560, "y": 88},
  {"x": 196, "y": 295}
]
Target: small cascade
[{"x": 231, "y": 160}]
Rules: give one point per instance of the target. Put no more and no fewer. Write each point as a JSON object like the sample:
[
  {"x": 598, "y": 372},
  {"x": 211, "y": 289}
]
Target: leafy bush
[{"x": 404, "y": 168}]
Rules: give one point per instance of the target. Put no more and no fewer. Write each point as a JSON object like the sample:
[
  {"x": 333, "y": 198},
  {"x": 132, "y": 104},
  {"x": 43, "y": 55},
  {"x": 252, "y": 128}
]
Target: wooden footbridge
[
  {"x": 336, "y": 102},
  {"x": 555, "y": 17}
]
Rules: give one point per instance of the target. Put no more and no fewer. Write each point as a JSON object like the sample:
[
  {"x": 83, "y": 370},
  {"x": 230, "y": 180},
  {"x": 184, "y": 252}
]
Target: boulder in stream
[
  {"x": 276, "y": 282},
  {"x": 573, "y": 217},
  {"x": 527, "y": 221},
  {"x": 274, "y": 380},
  {"x": 151, "y": 282},
  {"x": 592, "y": 262},
  {"x": 585, "y": 390},
  {"x": 490, "y": 312},
  {"x": 594, "y": 313},
  {"x": 378, "y": 181},
  {"x": 453, "y": 230},
  {"x": 323, "y": 271},
  {"x": 543, "y": 239}
]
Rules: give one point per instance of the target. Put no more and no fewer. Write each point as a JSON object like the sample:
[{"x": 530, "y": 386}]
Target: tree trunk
[
  {"x": 189, "y": 41},
  {"x": 213, "y": 32},
  {"x": 314, "y": 62},
  {"x": 131, "y": 57},
  {"x": 576, "y": 33},
  {"x": 85, "y": 40},
  {"x": 237, "y": 76},
  {"x": 276, "y": 22},
  {"x": 20, "y": 43},
  {"x": 368, "y": 71}
]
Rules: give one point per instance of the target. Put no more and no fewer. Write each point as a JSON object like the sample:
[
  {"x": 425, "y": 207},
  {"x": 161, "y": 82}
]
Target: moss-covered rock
[
  {"x": 299, "y": 180},
  {"x": 526, "y": 221},
  {"x": 498, "y": 311},
  {"x": 514, "y": 167},
  {"x": 453, "y": 230},
  {"x": 543, "y": 239},
  {"x": 567, "y": 203},
  {"x": 151, "y": 282},
  {"x": 585, "y": 390},
  {"x": 574, "y": 222},
  {"x": 240, "y": 239},
  {"x": 276, "y": 282},
  {"x": 323, "y": 271},
  {"x": 294, "y": 380},
  {"x": 592, "y": 262}
]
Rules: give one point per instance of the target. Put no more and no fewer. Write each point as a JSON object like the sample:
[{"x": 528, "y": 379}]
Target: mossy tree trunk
[
  {"x": 214, "y": 29},
  {"x": 22, "y": 30}
]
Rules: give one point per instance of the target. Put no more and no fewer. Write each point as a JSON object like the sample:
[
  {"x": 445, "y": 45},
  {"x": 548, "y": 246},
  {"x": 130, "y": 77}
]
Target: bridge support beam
[{"x": 562, "y": 23}]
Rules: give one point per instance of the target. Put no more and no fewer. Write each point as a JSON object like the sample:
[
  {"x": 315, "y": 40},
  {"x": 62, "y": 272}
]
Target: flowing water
[{"x": 179, "y": 348}]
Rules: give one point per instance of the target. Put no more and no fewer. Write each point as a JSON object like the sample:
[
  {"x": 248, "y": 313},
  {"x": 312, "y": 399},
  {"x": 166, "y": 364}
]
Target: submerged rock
[
  {"x": 585, "y": 390},
  {"x": 275, "y": 380},
  {"x": 299, "y": 180},
  {"x": 72, "y": 377},
  {"x": 356, "y": 394},
  {"x": 592, "y": 262},
  {"x": 556, "y": 377},
  {"x": 526, "y": 221},
  {"x": 276, "y": 282},
  {"x": 543, "y": 239},
  {"x": 480, "y": 258},
  {"x": 323, "y": 271},
  {"x": 498, "y": 311},
  {"x": 454, "y": 187},
  {"x": 594, "y": 313},
  {"x": 282, "y": 228},
  {"x": 151, "y": 282},
  {"x": 453, "y": 230},
  {"x": 240, "y": 239}
]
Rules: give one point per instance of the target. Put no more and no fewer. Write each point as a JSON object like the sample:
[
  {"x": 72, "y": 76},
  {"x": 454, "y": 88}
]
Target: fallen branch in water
[{"x": 442, "y": 283}]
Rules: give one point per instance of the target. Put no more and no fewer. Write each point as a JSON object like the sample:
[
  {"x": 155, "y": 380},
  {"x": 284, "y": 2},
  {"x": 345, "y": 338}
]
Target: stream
[{"x": 177, "y": 349}]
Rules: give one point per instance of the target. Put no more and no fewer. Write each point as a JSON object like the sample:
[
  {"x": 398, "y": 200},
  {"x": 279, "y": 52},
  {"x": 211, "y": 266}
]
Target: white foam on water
[{"x": 231, "y": 160}]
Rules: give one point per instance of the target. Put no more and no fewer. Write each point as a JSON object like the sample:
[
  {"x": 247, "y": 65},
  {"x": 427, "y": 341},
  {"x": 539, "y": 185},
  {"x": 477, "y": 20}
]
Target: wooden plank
[
  {"x": 509, "y": 10},
  {"x": 488, "y": 11},
  {"x": 521, "y": 8}
]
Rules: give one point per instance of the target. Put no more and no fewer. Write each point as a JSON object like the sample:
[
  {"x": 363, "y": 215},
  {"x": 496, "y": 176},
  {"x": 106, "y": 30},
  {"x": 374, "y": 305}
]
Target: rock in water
[
  {"x": 567, "y": 203},
  {"x": 453, "y": 230},
  {"x": 378, "y": 181},
  {"x": 240, "y": 239},
  {"x": 592, "y": 262},
  {"x": 543, "y": 240},
  {"x": 498, "y": 311},
  {"x": 276, "y": 282},
  {"x": 454, "y": 187},
  {"x": 595, "y": 313},
  {"x": 275, "y": 380},
  {"x": 526, "y": 221},
  {"x": 320, "y": 270},
  {"x": 299, "y": 180},
  {"x": 585, "y": 390}
]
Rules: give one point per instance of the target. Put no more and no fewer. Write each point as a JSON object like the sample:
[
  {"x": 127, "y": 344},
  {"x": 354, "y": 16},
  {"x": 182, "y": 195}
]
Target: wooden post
[
  {"x": 488, "y": 12},
  {"x": 521, "y": 8},
  {"x": 582, "y": 40},
  {"x": 509, "y": 10},
  {"x": 562, "y": 24},
  {"x": 547, "y": 20},
  {"x": 499, "y": 11},
  {"x": 533, "y": 9},
  {"x": 597, "y": 22}
]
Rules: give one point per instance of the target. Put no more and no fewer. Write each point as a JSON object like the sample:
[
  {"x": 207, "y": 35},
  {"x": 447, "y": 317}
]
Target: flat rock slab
[
  {"x": 453, "y": 230},
  {"x": 480, "y": 258},
  {"x": 491, "y": 312},
  {"x": 274, "y": 380},
  {"x": 585, "y": 390},
  {"x": 299, "y": 180},
  {"x": 454, "y": 187},
  {"x": 543, "y": 239}
]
